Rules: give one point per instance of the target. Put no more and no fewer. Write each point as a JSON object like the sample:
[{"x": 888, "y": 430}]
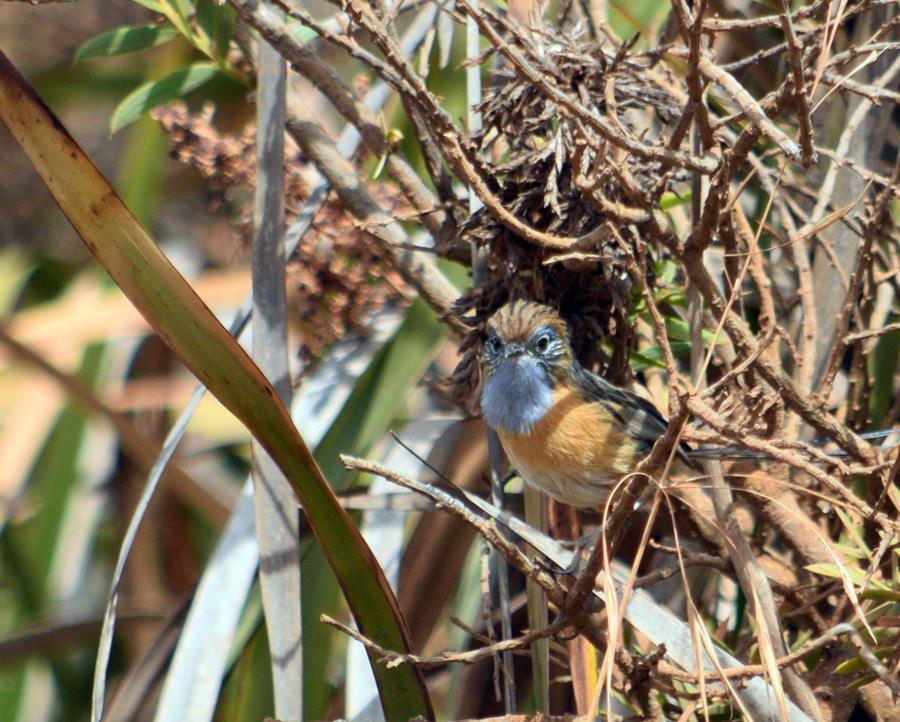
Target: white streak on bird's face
[{"x": 518, "y": 387}]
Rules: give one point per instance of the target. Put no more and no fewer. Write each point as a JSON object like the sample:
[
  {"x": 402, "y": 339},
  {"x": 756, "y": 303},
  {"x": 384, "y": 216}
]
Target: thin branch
[
  {"x": 418, "y": 269},
  {"x": 852, "y": 338},
  {"x": 591, "y": 118},
  {"x": 391, "y": 658},
  {"x": 795, "y": 53},
  {"x": 865, "y": 652},
  {"x": 458, "y": 153},
  {"x": 864, "y": 260},
  {"x": 750, "y": 107}
]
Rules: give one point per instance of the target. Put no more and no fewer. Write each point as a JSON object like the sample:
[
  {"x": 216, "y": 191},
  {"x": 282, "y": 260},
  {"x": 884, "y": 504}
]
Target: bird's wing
[{"x": 637, "y": 416}]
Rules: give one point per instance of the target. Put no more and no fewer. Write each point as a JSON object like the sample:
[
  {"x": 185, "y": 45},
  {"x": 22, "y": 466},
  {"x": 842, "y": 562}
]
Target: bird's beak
[{"x": 513, "y": 350}]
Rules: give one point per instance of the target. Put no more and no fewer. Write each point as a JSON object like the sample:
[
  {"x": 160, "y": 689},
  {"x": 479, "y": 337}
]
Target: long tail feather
[{"x": 738, "y": 452}]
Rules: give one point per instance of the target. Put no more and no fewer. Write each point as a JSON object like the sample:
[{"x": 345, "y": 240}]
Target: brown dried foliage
[
  {"x": 538, "y": 166},
  {"x": 337, "y": 278}
]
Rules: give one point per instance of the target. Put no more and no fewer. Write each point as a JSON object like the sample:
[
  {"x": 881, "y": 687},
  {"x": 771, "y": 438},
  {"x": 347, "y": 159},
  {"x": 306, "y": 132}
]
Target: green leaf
[
  {"x": 877, "y": 588},
  {"x": 665, "y": 271},
  {"x": 217, "y": 23},
  {"x": 862, "y": 681},
  {"x": 832, "y": 571},
  {"x": 851, "y": 552},
  {"x": 181, "y": 319},
  {"x": 673, "y": 200},
  {"x": 157, "y": 92},
  {"x": 858, "y": 665},
  {"x": 679, "y": 330},
  {"x": 674, "y": 296},
  {"x": 381, "y": 391},
  {"x": 648, "y": 358},
  {"x": 153, "y": 5},
  {"x": 33, "y": 545},
  {"x": 183, "y": 7},
  {"x": 51, "y": 480},
  {"x": 247, "y": 693},
  {"x": 177, "y": 13},
  {"x": 124, "y": 39},
  {"x": 883, "y": 364},
  {"x": 248, "y": 626},
  {"x": 652, "y": 357}
]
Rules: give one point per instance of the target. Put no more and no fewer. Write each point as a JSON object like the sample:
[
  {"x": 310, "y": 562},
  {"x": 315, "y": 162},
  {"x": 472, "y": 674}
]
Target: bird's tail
[{"x": 737, "y": 452}]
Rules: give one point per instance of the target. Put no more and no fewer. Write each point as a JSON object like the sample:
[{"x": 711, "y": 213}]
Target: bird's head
[{"x": 526, "y": 357}]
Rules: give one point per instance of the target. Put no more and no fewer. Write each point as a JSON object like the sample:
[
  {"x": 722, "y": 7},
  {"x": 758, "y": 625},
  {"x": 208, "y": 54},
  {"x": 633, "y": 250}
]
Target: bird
[{"x": 566, "y": 431}]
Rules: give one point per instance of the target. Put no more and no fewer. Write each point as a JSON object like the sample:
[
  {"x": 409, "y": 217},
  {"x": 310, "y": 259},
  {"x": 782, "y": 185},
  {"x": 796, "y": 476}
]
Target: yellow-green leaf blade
[{"x": 156, "y": 92}]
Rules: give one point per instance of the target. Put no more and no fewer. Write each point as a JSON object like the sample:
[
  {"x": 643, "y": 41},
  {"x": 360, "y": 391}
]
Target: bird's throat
[{"x": 516, "y": 395}]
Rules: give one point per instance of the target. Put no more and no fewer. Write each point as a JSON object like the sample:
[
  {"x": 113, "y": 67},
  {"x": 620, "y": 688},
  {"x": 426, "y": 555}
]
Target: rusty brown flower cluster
[{"x": 337, "y": 278}]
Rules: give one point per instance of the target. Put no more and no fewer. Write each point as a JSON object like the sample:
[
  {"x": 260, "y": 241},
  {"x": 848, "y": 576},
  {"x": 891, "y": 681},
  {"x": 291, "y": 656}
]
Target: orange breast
[{"x": 573, "y": 453}]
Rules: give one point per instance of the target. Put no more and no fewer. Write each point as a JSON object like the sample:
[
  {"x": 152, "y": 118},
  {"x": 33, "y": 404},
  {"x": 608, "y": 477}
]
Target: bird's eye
[
  {"x": 492, "y": 345},
  {"x": 542, "y": 342}
]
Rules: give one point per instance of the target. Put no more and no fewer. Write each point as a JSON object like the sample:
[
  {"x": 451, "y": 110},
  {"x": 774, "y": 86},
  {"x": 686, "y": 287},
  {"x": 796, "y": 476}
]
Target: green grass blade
[
  {"x": 374, "y": 403},
  {"x": 385, "y": 532},
  {"x": 247, "y": 695},
  {"x": 124, "y": 39}
]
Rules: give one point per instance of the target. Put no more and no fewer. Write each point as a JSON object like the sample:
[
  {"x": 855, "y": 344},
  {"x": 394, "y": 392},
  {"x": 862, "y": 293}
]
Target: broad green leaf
[
  {"x": 665, "y": 271},
  {"x": 52, "y": 481},
  {"x": 177, "y": 13},
  {"x": 181, "y": 319},
  {"x": 142, "y": 170},
  {"x": 380, "y": 393},
  {"x": 646, "y": 359},
  {"x": 183, "y": 7},
  {"x": 157, "y": 92},
  {"x": 125, "y": 39},
  {"x": 30, "y": 560},
  {"x": 674, "y": 296}
]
